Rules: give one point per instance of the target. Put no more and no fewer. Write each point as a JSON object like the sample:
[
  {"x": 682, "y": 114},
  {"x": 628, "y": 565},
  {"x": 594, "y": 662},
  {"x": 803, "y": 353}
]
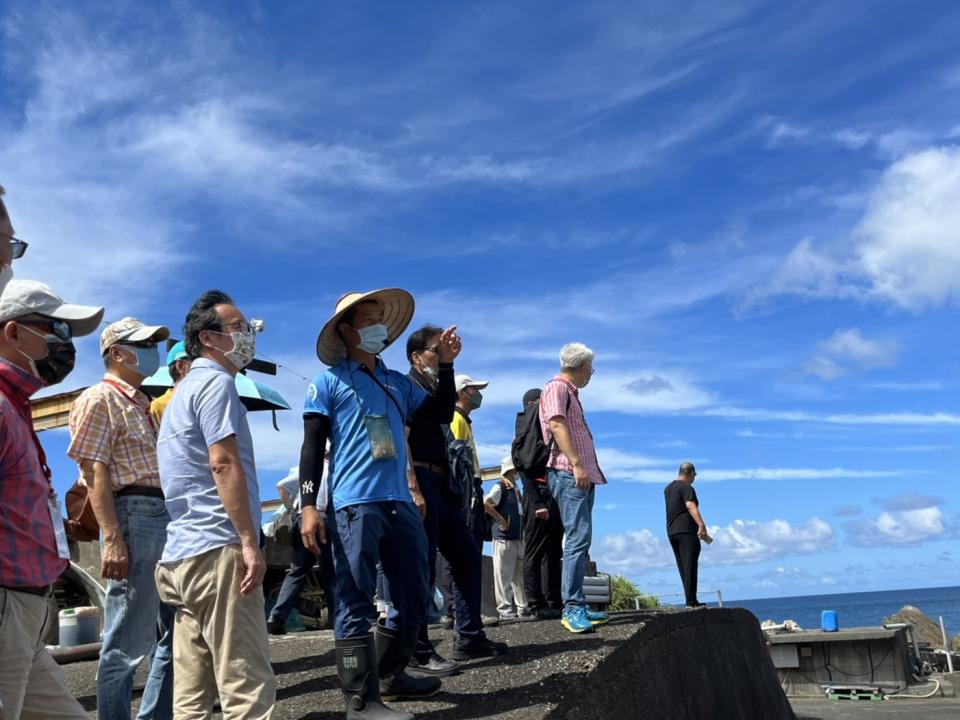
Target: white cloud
[
  {"x": 824, "y": 368},
  {"x": 644, "y": 475},
  {"x": 891, "y": 418},
  {"x": 741, "y": 542},
  {"x": 899, "y": 528},
  {"x": 851, "y": 345},
  {"x": 905, "y": 250}
]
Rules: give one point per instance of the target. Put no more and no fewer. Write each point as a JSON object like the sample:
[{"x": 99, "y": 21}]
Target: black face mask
[{"x": 58, "y": 363}]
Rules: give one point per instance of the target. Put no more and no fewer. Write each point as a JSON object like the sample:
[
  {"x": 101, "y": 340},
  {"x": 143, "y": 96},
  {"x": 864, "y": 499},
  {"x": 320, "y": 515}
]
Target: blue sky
[{"x": 748, "y": 210}]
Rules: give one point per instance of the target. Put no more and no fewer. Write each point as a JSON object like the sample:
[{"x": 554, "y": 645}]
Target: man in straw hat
[
  {"x": 364, "y": 409},
  {"x": 36, "y": 350}
]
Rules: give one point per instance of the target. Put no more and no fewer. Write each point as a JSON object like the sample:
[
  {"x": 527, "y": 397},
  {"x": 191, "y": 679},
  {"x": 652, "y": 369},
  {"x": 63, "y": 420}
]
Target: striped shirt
[
  {"x": 561, "y": 399},
  {"x": 29, "y": 555},
  {"x": 111, "y": 423}
]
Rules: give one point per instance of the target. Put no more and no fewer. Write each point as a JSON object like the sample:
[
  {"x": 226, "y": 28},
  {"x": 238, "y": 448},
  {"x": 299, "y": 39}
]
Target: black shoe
[
  {"x": 548, "y": 614},
  {"x": 276, "y": 627},
  {"x": 435, "y": 665},
  {"x": 477, "y": 649},
  {"x": 357, "y": 671}
]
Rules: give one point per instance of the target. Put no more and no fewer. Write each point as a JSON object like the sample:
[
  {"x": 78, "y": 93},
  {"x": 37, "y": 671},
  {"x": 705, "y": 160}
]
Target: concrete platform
[
  {"x": 821, "y": 709},
  {"x": 688, "y": 665}
]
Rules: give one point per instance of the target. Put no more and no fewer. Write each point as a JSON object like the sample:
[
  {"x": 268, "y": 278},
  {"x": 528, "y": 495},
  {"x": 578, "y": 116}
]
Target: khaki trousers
[
  {"x": 219, "y": 638},
  {"x": 508, "y": 575},
  {"x": 32, "y": 685}
]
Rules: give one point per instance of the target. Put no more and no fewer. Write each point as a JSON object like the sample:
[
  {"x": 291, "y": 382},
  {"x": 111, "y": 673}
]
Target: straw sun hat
[{"x": 397, "y": 307}]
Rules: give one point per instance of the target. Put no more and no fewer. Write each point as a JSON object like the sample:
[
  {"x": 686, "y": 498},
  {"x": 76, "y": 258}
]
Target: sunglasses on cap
[{"x": 60, "y": 328}]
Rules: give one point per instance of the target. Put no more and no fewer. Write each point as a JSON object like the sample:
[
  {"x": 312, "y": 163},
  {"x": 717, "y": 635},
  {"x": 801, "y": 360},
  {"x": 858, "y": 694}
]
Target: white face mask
[
  {"x": 6, "y": 275},
  {"x": 244, "y": 348},
  {"x": 373, "y": 339}
]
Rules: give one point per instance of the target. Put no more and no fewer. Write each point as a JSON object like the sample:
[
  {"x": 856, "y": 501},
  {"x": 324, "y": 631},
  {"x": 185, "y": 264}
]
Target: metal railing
[{"x": 636, "y": 600}]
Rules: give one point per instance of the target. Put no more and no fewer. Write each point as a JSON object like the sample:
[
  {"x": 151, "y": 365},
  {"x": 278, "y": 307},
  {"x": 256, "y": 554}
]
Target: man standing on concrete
[
  {"x": 444, "y": 522},
  {"x": 36, "y": 351},
  {"x": 113, "y": 438},
  {"x": 377, "y": 510},
  {"x": 542, "y": 532},
  {"x": 686, "y": 528},
  {"x": 573, "y": 473},
  {"x": 212, "y": 568},
  {"x": 503, "y": 504}
]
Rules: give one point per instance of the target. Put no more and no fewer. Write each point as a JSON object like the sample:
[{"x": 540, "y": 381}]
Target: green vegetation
[{"x": 623, "y": 594}]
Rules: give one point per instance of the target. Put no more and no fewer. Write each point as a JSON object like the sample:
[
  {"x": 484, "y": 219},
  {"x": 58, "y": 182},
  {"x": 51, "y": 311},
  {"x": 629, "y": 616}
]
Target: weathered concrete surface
[
  {"x": 822, "y": 709},
  {"x": 692, "y": 665}
]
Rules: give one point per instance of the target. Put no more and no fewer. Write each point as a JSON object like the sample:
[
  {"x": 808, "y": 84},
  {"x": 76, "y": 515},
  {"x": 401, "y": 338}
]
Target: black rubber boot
[
  {"x": 394, "y": 648},
  {"x": 358, "y": 679}
]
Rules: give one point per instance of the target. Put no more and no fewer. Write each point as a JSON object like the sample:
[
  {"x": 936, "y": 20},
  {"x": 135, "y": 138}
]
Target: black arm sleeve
[
  {"x": 438, "y": 408},
  {"x": 316, "y": 430}
]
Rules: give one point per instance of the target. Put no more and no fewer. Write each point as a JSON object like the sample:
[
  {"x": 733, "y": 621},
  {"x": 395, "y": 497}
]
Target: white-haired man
[{"x": 572, "y": 472}]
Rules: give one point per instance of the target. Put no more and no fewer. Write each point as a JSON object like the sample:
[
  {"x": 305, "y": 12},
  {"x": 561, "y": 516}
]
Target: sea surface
[{"x": 857, "y": 609}]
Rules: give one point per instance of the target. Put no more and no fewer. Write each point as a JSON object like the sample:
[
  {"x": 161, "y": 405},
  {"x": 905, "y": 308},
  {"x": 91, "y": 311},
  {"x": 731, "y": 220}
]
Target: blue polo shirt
[{"x": 346, "y": 393}]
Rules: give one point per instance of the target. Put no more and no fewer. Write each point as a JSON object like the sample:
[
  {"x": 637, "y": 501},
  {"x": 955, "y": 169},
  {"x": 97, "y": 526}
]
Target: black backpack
[{"x": 529, "y": 452}]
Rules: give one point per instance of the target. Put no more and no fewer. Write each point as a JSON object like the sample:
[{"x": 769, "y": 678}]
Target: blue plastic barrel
[{"x": 828, "y": 621}]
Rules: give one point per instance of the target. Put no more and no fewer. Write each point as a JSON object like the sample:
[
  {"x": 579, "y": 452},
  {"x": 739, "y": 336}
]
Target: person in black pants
[
  {"x": 542, "y": 542},
  {"x": 686, "y": 528},
  {"x": 445, "y": 524}
]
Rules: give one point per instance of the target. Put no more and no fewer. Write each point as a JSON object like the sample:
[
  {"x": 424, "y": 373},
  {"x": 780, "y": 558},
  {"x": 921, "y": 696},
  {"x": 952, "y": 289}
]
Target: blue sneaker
[
  {"x": 597, "y": 618},
  {"x": 575, "y": 620}
]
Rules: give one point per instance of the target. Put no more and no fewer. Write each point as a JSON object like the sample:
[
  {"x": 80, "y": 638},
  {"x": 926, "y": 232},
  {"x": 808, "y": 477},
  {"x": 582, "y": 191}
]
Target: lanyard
[{"x": 132, "y": 401}]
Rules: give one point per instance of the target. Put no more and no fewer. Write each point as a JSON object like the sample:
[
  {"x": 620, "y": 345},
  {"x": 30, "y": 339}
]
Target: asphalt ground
[{"x": 534, "y": 677}]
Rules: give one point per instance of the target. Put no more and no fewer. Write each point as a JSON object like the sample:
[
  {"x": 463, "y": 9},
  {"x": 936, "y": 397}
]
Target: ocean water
[{"x": 858, "y": 609}]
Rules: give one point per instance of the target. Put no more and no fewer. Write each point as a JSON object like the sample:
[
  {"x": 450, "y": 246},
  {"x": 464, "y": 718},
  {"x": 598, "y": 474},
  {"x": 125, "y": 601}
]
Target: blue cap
[{"x": 177, "y": 352}]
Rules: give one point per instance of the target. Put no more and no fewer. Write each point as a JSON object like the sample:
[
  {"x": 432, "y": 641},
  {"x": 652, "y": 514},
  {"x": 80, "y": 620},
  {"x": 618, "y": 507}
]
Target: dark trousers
[
  {"x": 301, "y": 565},
  {"x": 447, "y": 532},
  {"x": 542, "y": 551},
  {"x": 475, "y": 523},
  {"x": 393, "y": 533},
  {"x": 686, "y": 549}
]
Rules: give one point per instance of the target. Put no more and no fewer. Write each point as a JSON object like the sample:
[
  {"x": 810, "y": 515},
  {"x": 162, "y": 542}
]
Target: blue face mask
[
  {"x": 373, "y": 339},
  {"x": 148, "y": 360}
]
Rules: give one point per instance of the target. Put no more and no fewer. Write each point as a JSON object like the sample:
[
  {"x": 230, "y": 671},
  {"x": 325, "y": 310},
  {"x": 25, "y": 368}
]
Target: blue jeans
[
  {"x": 157, "y": 700},
  {"x": 576, "y": 512},
  {"x": 392, "y": 533},
  {"x": 131, "y": 611}
]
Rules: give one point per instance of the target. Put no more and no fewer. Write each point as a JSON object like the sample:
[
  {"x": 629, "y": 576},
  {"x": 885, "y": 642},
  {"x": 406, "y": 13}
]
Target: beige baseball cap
[
  {"x": 130, "y": 330},
  {"x": 465, "y": 381}
]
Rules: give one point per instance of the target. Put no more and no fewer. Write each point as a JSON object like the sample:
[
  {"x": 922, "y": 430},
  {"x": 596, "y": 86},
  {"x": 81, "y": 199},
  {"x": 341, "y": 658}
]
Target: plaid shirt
[
  {"x": 557, "y": 396},
  {"x": 111, "y": 423},
  {"x": 28, "y": 547}
]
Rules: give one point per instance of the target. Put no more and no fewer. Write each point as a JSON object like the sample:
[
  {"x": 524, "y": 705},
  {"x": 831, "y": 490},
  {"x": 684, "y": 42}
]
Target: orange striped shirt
[{"x": 111, "y": 423}]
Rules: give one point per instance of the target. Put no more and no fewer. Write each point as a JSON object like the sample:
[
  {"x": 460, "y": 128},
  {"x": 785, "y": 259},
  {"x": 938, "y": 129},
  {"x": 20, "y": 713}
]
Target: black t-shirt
[
  {"x": 676, "y": 495},
  {"x": 427, "y": 441}
]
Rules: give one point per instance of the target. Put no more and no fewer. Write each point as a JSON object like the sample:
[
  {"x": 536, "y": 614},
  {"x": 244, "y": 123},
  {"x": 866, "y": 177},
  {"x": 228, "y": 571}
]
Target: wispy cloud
[{"x": 741, "y": 542}]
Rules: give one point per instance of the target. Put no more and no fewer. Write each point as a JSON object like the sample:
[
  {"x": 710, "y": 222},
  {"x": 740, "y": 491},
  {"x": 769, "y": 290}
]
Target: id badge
[
  {"x": 63, "y": 549},
  {"x": 381, "y": 437}
]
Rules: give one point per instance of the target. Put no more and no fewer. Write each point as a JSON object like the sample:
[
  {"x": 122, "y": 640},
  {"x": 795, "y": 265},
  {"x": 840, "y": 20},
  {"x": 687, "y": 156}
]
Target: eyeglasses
[
  {"x": 17, "y": 247},
  {"x": 435, "y": 349},
  {"x": 60, "y": 328},
  {"x": 237, "y": 326}
]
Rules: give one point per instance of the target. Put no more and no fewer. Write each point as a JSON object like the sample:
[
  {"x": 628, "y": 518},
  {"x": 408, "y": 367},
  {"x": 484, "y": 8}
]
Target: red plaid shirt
[
  {"x": 561, "y": 399},
  {"x": 28, "y": 547}
]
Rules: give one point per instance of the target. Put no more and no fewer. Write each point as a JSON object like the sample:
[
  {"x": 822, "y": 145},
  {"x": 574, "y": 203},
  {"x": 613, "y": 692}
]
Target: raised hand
[{"x": 450, "y": 345}]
